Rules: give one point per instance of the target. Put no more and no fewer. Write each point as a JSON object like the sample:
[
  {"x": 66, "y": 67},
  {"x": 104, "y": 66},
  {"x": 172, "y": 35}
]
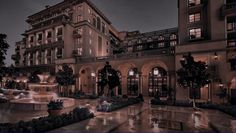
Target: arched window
[
  {"x": 98, "y": 23},
  {"x": 132, "y": 82},
  {"x": 157, "y": 82}
]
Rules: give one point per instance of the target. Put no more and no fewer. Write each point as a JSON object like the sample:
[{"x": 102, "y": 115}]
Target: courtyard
[{"x": 136, "y": 118}]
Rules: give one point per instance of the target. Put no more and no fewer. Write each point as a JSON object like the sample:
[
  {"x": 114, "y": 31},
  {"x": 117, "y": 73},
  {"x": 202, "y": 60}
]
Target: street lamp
[{"x": 93, "y": 75}]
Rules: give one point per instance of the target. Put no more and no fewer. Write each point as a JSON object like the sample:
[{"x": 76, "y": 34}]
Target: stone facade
[{"x": 75, "y": 32}]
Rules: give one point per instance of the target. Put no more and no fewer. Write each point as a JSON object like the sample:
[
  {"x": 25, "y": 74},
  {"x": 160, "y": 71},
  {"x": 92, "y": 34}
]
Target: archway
[
  {"x": 157, "y": 82},
  {"x": 133, "y": 82},
  {"x": 87, "y": 80}
]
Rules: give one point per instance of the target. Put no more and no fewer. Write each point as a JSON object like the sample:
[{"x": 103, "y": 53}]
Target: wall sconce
[
  {"x": 93, "y": 74},
  {"x": 215, "y": 56}
]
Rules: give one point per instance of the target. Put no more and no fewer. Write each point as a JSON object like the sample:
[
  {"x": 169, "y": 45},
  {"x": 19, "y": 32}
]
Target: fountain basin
[{"x": 32, "y": 105}]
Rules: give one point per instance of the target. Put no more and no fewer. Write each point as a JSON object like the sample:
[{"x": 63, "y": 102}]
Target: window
[
  {"x": 94, "y": 20},
  {"x": 149, "y": 39},
  {"x": 99, "y": 45},
  {"x": 98, "y": 23},
  {"x": 90, "y": 51},
  {"x": 80, "y": 50},
  {"x": 130, "y": 49},
  {"x": 194, "y": 2},
  {"x": 31, "y": 39},
  {"x": 173, "y": 43},
  {"x": 161, "y": 38},
  {"x": 231, "y": 23},
  {"x": 161, "y": 45},
  {"x": 195, "y": 33},
  {"x": 59, "y": 53},
  {"x": 40, "y": 37},
  {"x": 157, "y": 82},
  {"x": 59, "y": 31},
  {"x": 80, "y": 30},
  {"x": 139, "y": 47},
  {"x": 103, "y": 27},
  {"x": 79, "y": 18},
  {"x": 132, "y": 82},
  {"x": 233, "y": 64},
  {"x": 139, "y": 41},
  {"x": 49, "y": 34},
  {"x": 194, "y": 17},
  {"x": 173, "y": 37}
]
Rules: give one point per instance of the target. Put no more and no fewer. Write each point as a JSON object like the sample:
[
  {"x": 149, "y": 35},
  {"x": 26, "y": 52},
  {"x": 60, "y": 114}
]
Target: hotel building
[{"x": 75, "y": 32}]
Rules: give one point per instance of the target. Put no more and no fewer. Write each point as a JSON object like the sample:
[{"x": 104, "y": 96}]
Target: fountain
[{"x": 40, "y": 95}]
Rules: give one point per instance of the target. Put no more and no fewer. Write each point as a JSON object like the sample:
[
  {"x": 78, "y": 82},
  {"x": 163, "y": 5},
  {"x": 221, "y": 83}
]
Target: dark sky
[{"x": 125, "y": 15}]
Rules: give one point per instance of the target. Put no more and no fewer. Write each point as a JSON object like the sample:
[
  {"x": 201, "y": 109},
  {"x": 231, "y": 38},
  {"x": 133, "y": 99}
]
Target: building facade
[{"x": 75, "y": 32}]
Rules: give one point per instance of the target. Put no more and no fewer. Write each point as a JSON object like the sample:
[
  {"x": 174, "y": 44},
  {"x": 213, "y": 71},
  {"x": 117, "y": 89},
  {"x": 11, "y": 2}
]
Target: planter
[{"x": 55, "y": 112}]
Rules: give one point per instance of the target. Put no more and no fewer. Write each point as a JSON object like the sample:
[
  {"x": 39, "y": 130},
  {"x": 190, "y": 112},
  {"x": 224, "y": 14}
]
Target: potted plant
[{"x": 55, "y": 107}]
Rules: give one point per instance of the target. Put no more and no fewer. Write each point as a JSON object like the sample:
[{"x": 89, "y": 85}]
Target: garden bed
[
  {"x": 116, "y": 103},
  {"x": 48, "y": 123},
  {"x": 228, "y": 109}
]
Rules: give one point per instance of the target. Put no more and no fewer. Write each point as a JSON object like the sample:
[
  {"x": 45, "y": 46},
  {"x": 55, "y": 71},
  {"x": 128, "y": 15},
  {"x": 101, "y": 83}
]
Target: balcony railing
[
  {"x": 46, "y": 46},
  {"x": 149, "y": 53},
  {"x": 228, "y": 9},
  {"x": 76, "y": 34}
]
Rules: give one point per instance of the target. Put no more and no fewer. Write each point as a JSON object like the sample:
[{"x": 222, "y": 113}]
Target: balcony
[
  {"x": 228, "y": 9},
  {"x": 76, "y": 34},
  {"x": 58, "y": 44},
  {"x": 135, "y": 55}
]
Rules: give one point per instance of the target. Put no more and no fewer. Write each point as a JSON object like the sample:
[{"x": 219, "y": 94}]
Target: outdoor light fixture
[
  {"x": 221, "y": 84},
  {"x": 156, "y": 72},
  {"x": 215, "y": 56},
  {"x": 131, "y": 72},
  {"x": 93, "y": 74}
]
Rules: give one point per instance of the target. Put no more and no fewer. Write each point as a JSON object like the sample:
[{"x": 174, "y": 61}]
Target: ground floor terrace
[
  {"x": 140, "y": 117},
  {"x": 147, "y": 76}
]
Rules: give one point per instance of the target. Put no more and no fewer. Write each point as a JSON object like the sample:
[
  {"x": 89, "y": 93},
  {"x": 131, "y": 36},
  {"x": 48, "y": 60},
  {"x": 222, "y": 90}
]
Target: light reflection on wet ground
[{"x": 136, "y": 118}]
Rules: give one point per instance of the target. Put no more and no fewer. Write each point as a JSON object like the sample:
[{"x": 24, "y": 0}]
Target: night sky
[{"x": 125, "y": 15}]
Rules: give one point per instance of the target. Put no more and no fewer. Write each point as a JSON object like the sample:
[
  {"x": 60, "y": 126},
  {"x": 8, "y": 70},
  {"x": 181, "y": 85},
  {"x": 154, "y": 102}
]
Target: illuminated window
[
  {"x": 161, "y": 45},
  {"x": 173, "y": 37},
  {"x": 157, "y": 82},
  {"x": 80, "y": 50},
  {"x": 161, "y": 38},
  {"x": 173, "y": 43},
  {"x": 195, "y": 33},
  {"x": 194, "y": 17},
  {"x": 132, "y": 82}
]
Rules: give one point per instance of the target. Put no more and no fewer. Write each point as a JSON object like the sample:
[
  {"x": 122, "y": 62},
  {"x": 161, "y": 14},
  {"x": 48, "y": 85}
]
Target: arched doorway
[
  {"x": 133, "y": 82},
  {"x": 157, "y": 82},
  {"x": 87, "y": 81}
]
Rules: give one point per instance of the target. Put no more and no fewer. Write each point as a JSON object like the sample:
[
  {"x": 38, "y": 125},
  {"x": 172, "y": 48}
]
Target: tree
[
  {"x": 3, "y": 49},
  {"x": 193, "y": 75},
  {"x": 65, "y": 77},
  {"x": 109, "y": 76}
]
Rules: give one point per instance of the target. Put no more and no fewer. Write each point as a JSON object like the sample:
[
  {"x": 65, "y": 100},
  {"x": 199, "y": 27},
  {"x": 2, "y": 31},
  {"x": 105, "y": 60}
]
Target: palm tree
[{"x": 193, "y": 75}]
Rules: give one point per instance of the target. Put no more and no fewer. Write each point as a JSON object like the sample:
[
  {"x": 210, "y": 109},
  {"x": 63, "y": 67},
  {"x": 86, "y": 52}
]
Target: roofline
[{"x": 68, "y": 1}]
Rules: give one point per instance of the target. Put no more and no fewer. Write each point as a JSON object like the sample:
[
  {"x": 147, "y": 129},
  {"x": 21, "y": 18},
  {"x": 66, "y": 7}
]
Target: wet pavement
[{"x": 138, "y": 118}]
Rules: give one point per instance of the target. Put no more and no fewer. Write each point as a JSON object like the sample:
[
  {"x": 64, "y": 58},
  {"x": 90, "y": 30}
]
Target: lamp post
[{"x": 93, "y": 75}]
